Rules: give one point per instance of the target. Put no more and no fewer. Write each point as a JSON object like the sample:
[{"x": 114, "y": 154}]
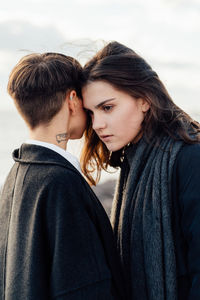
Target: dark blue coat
[{"x": 186, "y": 221}]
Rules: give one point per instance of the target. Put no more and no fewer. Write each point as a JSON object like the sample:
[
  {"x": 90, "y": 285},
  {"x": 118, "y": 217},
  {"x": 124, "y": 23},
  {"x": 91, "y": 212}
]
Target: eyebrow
[{"x": 103, "y": 102}]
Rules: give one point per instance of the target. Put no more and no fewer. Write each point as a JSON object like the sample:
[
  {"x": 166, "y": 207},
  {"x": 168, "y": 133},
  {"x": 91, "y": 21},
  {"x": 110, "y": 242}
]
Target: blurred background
[{"x": 165, "y": 32}]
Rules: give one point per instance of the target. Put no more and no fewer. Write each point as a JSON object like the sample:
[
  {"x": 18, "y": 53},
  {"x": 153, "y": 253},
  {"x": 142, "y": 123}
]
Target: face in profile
[
  {"x": 78, "y": 121},
  {"x": 116, "y": 116}
]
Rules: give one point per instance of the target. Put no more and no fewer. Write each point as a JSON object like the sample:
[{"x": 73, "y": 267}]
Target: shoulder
[
  {"x": 66, "y": 179},
  {"x": 52, "y": 174},
  {"x": 189, "y": 152},
  {"x": 56, "y": 183},
  {"x": 187, "y": 166},
  {"x": 189, "y": 156}
]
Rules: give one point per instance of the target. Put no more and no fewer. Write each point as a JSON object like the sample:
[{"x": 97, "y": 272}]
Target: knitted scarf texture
[{"x": 141, "y": 219}]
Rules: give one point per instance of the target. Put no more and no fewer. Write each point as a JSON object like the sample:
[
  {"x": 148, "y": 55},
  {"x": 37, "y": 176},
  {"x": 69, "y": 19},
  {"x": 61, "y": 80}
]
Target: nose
[{"x": 98, "y": 122}]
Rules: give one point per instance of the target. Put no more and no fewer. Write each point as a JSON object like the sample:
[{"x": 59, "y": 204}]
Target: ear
[
  {"x": 72, "y": 95},
  {"x": 72, "y": 101},
  {"x": 144, "y": 105}
]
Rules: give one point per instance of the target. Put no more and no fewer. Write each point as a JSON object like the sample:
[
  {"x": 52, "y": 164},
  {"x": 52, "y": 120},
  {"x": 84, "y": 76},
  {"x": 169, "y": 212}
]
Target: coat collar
[{"x": 34, "y": 154}]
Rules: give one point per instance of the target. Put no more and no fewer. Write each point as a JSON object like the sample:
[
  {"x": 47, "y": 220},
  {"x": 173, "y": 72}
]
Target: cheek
[
  {"x": 129, "y": 115},
  {"x": 129, "y": 120},
  {"x": 84, "y": 119},
  {"x": 81, "y": 125}
]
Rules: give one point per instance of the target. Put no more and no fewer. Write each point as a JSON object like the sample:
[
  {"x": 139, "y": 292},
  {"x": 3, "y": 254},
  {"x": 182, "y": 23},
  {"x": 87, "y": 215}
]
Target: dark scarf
[{"x": 141, "y": 219}]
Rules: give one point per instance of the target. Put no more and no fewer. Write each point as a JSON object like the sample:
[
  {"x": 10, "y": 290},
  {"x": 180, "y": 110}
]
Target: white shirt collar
[{"x": 68, "y": 156}]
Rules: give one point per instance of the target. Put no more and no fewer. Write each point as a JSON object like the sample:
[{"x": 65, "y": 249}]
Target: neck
[
  {"x": 55, "y": 132},
  {"x": 56, "y": 139}
]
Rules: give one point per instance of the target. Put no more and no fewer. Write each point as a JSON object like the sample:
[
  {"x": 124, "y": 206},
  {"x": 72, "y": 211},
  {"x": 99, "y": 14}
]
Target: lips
[{"x": 105, "y": 137}]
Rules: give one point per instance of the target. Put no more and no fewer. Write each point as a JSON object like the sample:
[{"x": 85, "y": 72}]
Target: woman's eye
[{"x": 107, "y": 107}]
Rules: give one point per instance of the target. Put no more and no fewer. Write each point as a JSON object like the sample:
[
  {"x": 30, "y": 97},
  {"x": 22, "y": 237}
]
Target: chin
[{"x": 114, "y": 148}]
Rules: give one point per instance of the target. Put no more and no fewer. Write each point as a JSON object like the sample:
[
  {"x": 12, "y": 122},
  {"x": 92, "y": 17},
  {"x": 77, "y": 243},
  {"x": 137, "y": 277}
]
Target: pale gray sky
[{"x": 165, "y": 32}]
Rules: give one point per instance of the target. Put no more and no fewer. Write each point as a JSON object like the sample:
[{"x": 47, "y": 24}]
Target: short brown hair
[{"x": 39, "y": 83}]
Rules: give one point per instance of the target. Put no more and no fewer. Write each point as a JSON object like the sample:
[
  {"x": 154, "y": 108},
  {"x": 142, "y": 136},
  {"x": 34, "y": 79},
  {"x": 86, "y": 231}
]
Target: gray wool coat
[{"x": 56, "y": 241}]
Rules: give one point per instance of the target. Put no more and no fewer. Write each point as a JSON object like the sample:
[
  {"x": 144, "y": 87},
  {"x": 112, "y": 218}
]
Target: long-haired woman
[{"x": 135, "y": 125}]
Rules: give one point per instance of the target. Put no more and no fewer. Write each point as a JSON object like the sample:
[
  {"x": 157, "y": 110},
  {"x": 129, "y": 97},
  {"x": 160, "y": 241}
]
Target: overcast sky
[{"x": 165, "y": 32}]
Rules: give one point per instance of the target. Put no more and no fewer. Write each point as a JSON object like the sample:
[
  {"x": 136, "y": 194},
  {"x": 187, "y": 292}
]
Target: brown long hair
[{"x": 124, "y": 69}]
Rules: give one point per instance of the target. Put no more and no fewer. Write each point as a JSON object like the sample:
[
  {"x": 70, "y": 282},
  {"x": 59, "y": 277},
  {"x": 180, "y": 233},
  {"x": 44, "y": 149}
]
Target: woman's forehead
[{"x": 96, "y": 92}]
